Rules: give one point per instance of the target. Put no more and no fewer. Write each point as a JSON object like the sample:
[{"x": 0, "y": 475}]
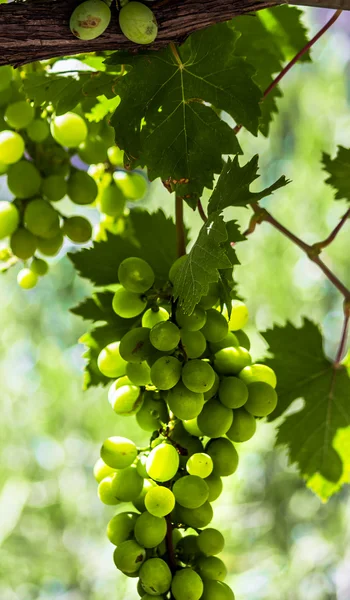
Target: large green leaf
[{"x": 339, "y": 172}]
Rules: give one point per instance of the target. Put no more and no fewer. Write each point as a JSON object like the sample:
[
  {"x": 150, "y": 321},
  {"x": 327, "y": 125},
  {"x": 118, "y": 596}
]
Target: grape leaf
[
  {"x": 285, "y": 22},
  {"x": 170, "y": 123},
  {"x": 339, "y": 172},
  {"x": 97, "y": 308},
  {"x": 303, "y": 371}
]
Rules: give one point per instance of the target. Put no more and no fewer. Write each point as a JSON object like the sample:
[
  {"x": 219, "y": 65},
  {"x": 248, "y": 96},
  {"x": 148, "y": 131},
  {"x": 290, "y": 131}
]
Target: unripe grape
[
  {"x": 129, "y": 556},
  {"x": 155, "y": 576},
  {"x": 78, "y": 229},
  {"x": 160, "y": 501},
  {"x": 52, "y": 246},
  {"x": 233, "y": 392},
  {"x": 197, "y": 517},
  {"x": 216, "y": 326},
  {"x": 90, "y": 19},
  {"x": 26, "y": 279},
  {"x": 38, "y": 130},
  {"x": 214, "y": 388},
  {"x": 128, "y": 304},
  {"x": 139, "y": 373},
  {"x": 187, "y": 584},
  {"x": 120, "y": 528},
  {"x": 200, "y": 464},
  {"x": 41, "y": 219},
  {"x": 184, "y": 403},
  {"x": 215, "y": 486},
  {"x": 193, "y": 322},
  {"x": 258, "y": 372},
  {"x": 151, "y": 317},
  {"x": 229, "y": 340},
  {"x": 115, "y": 155},
  {"x": 224, "y": 455},
  {"x": 118, "y": 452},
  {"x": 81, "y": 188},
  {"x": 217, "y": 590},
  {"x": 11, "y": 147},
  {"x": 191, "y": 425},
  {"x": 239, "y": 315},
  {"x": 190, "y": 491},
  {"x": 230, "y": 361},
  {"x": 127, "y": 484},
  {"x": 54, "y": 188},
  {"x": 193, "y": 342},
  {"x": 133, "y": 185},
  {"x": 262, "y": 399},
  {"x": 5, "y": 77},
  {"x": 126, "y": 400},
  {"x": 165, "y": 336},
  {"x": 23, "y": 243},
  {"x": 243, "y": 339},
  {"x": 166, "y": 372},
  {"x": 9, "y": 218},
  {"x": 109, "y": 361},
  {"x": 211, "y": 567},
  {"x": 163, "y": 462},
  {"x": 215, "y": 419},
  {"x": 210, "y": 541},
  {"x": 105, "y": 492},
  {"x": 135, "y": 345},
  {"x": 93, "y": 150},
  {"x": 19, "y": 114},
  {"x": 39, "y": 266},
  {"x": 198, "y": 376},
  {"x": 187, "y": 549},
  {"x": 23, "y": 179},
  {"x": 112, "y": 201},
  {"x": 150, "y": 531},
  {"x": 69, "y": 130},
  {"x": 101, "y": 470},
  {"x": 138, "y": 23},
  {"x": 139, "y": 502},
  {"x": 243, "y": 426},
  {"x": 152, "y": 413},
  {"x": 136, "y": 275}
]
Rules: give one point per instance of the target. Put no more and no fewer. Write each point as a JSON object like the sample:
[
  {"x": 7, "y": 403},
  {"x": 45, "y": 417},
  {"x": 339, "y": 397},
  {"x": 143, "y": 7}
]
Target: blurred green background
[{"x": 282, "y": 542}]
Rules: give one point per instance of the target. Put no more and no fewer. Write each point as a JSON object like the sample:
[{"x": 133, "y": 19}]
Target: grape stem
[{"x": 180, "y": 228}]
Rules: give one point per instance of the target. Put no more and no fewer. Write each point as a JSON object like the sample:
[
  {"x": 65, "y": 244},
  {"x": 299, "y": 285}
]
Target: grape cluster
[{"x": 190, "y": 382}]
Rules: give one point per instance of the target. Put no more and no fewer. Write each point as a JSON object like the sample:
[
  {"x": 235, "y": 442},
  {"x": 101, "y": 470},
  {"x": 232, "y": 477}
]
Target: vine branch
[
  {"x": 180, "y": 228},
  {"x": 320, "y": 245}
]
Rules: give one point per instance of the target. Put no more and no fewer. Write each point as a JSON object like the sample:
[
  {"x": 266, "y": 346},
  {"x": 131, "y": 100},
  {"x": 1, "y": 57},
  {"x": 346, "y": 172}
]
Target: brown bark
[{"x": 39, "y": 29}]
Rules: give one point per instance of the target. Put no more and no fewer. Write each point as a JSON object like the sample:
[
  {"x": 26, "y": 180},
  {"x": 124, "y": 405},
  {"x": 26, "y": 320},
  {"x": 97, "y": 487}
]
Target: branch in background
[
  {"x": 201, "y": 210},
  {"x": 180, "y": 228},
  {"x": 320, "y": 245},
  {"x": 344, "y": 336}
]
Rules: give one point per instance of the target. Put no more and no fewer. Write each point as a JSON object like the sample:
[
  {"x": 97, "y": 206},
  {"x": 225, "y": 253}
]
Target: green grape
[
  {"x": 135, "y": 275},
  {"x": 9, "y": 218},
  {"x": 118, "y": 383},
  {"x": 138, "y": 23},
  {"x": 230, "y": 361},
  {"x": 26, "y": 279},
  {"x": 162, "y": 462},
  {"x": 239, "y": 315},
  {"x": 23, "y": 243},
  {"x": 118, "y": 452},
  {"x": 141, "y": 465},
  {"x": 155, "y": 576},
  {"x": 191, "y": 427},
  {"x": 93, "y": 150},
  {"x": 151, "y": 597},
  {"x": 19, "y": 115},
  {"x": 210, "y": 542},
  {"x": 23, "y": 179},
  {"x": 198, "y": 376},
  {"x": 38, "y": 130},
  {"x": 187, "y": 585},
  {"x": 190, "y": 491},
  {"x": 160, "y": 501},
  {"x": 176, "y": 266},
  {"x": 262, "y": 399},
  {"x": 135, "y": 345},
  {"x": 90, "y": 19},
  {"x": 211, "y": 298},
  {"x": 101, "y": 470},
  {"x": 233, "y": 392},
  {"x": 54, "y": 188},
  {"x": 152, "y": 413},
  {"x": 200, "y": 464},
  {"x": 229, "y": 340},
  {"x": 54, "y": 160},
  {"x": 216, "y": 326},
  {"x": 3, "y": 169},
  {"x": 115, "y": 155},
  {"x": 215, "y": 486},
  {"x": 52, "y": 246},
  {"x": 211, "y": 393},
  {"x": 187, "y": 549},
  {"x": 69, "y": 130},
  {"x": 224, "y": 455},
  {"x": 112, "y": 201},
  {"x": 215, "y": 419},
  {"x": 81, "y": 188},
  {"x": 41, "y": 219},
  {"x": 193, "y": 342},
  {"x": 197, "y": 518},
  {"x": 129, "y": 556},
  {"x": 211, "y": 567},
  {"x": 193, "y": 322},
  {"x": 105, "y": 492},
  {"x": 5, "y": 99},
  {"x": 166, "y": 372},
  {"x": 139, "y": 502},
  {"x": 150, "y": 530},
  {"x": 243, "y": 426},
  {"x": 109, "y": 361},
  {"x": 121, "y": 527},
  {"x": 217, "y": 590},
  {"x": 11, "y": 147},
  {"x": 165, "y": 336},
  {"x": 39, "y": 266},
  {"x": 126, "y": 400},
  {"x": 133, "y": 184},
  {"x": 5, "y": 77},
  {"x": 153, "y": 316},
  {"x": 127, "y": 484},
  {"x": 243, "y": 339},
  {"x": 78, "y": 229},
  {"x": 258, "y": 372},
  {"x": 139, "y": 373},
  {"x": 184, "y": 403},
  {"x": 128, "y": 304}
]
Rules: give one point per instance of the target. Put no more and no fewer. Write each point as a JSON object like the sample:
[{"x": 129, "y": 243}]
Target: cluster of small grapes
[
  {"x": 136, "y": 20},
  {"x": 189, "y": 379},
  {"x": 36, "y": 148}
]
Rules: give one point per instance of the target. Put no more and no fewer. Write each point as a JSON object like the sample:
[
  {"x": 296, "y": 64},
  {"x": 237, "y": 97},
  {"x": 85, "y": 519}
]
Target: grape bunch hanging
[{"x": 190, "y": 382}]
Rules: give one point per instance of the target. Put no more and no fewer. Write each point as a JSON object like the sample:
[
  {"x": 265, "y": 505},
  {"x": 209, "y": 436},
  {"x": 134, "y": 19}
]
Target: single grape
[
  {"x": 233, "y": 392},
  {"x": 112, "y": 201},
  {"x": 165, "y": 336},
  {"x": 166, "y": 372},
  {"x": 109, "y": 361},
  {"x": 39, "y": 266},
  {"x": 190, "y": 491},
  {"x": 11, "y": 147},
  {"x": 93, "y": 150},
  {"x": 23, "y": 243},
  {"x": 54, "y": 188},
  {"x": 115, "y": 155},
  {"x": 187, "y": 549},
  {"x": 155, "y": 576},
  {"x": 135, "y": 345},
  {"x": 243, "y": 426},
  {"x": 160, "y": 501},
  {"x": 224, "y": 455},
  {"x": 193, "y": 322},
  {"x": 129, "y": 556},
  {"x": 162, "y": 462},
  {"x": 153, "y": 316},
  {"x": 105, "y": 492},
  {"x": 135, "y": 275},
  {"x": 197, "y": 517},
  {"x": 90, "y": 19},
  {"x": 150, "y": 530},
  {"x": 210, "y": 541},
  {"x": 38, "y": 130},
  {"x": 152, "y": 413},
  {"x": 243, "y": 339},
  {"x": 133, "y": 184},
  {"x": 101, "y": 470},
  {"x": 9, "y": 218},
  {"x": 81, "y": 188},
  {"x": 217, "y": 590},
  {"x": 126, "y": 400},
  {"x": 128, "y": 304},
  {"x": 215, "y": 419},
  {"x": 121, "y": 527},
  {"x": 229, "y": 340},
  {"x": 213, "y": 390},
  {"x": 19, "y": 115},
  {"x": 216, "y": 326},
  {"x": 51, "y": 247},
  {"x": 262, "y": 399},
  {"x": 26, "y": 279},
  {"x": 239, "y": 315},
  {"x": 41, "y": 219},
  {"x": 69, "y": 130},
  {"x": 258, "y": 372},
  {"x": 187, "y": 585},
  {"x": 192, "y": 428},
  {"x": 139, "y": 373},
  {"x": 140, "y": 464},
  {"x": 118, "y": 383},
  {"x": 212, "y": 297},
  {"x": 212, "y": 567},
  {"x": 78, "y": 229},
  {"x": 230, "y": 361},
  {"x": 23, "y": 179},
  {"x": 193, "y": 343},
  {"x": 126, "y": 485},
  {"x": 174, "y": 269},
  {"x": 118, "y": 452},
  {"x": 200, "y": 464},
  {"x": 139, "y": 502},
  {"x": 138, "y": 23},
  {"x": 5, "y": 77},
  {"x": 198, "y": 376}
]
